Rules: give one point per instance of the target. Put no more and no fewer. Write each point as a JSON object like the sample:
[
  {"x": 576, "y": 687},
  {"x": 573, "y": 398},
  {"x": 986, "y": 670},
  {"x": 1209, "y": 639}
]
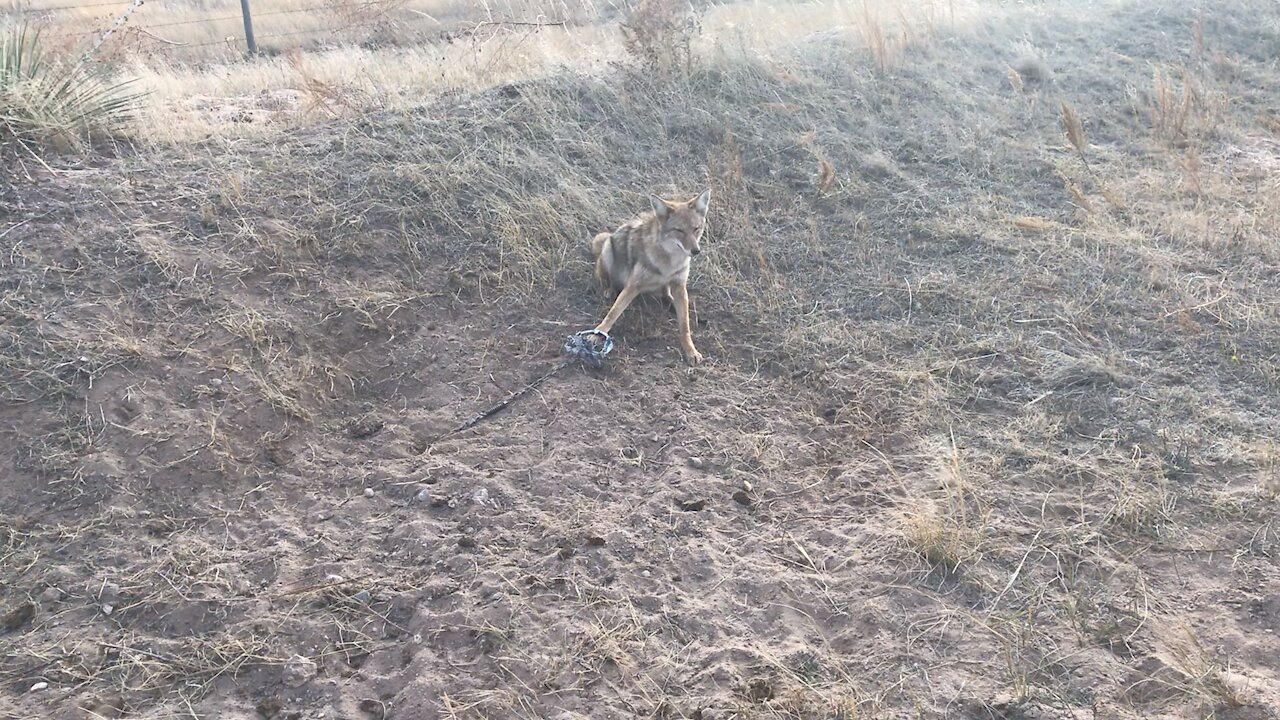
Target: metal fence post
[{"x": 248, "y": 28}]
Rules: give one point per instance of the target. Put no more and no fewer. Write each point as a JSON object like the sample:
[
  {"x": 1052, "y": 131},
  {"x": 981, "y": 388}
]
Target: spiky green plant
[{"x": 57, "y": 103}]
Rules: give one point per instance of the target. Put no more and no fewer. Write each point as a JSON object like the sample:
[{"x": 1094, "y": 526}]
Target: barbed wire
[
  {"x": 268, "y": 36},
  {"x": 269, "y": 13},
  {"x": 370, "y": 4},
  {"x": 357, "y": 6},
  {"x": 376, "y": 6},
  {"x": 56, "y": 8}
]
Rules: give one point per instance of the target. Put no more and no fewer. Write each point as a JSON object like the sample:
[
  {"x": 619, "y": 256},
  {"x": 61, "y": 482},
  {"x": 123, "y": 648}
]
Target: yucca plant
[{"x": 56, "y": 103}]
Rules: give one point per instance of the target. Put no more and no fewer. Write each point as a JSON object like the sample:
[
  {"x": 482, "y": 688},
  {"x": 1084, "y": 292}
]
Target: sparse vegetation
[
  {"x": 56, "y": 102},
  {"x": 660, "y": 35},
  {"x": 986, "y": 430},
  {"x": 942, "y": 540},
  {"x": 1181, "y": 108}
]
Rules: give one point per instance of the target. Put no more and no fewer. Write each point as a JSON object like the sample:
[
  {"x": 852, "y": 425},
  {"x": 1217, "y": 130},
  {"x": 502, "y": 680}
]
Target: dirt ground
[{"x": 987, "y": 427}]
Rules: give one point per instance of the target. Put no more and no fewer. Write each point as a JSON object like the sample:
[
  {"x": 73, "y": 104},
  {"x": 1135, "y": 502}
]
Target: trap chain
[{"x": 588, "y": 347}]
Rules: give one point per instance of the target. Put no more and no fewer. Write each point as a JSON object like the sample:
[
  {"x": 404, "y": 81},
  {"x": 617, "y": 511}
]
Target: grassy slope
[{"x": 1009, "y": 445}]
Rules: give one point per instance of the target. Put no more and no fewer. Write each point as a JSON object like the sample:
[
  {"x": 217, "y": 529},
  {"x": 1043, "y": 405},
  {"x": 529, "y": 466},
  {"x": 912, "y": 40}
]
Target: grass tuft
[
  {"x": 660, "y": 36},
  {"x": 54, "y": 102}
]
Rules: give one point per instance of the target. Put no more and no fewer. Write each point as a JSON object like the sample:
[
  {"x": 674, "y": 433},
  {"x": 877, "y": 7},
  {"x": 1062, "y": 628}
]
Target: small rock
[
  {"x": 50, "y": 595},
  {"x": 696, "y": 462},
  {"x": 692, "y": 505},
  {"x": 742, "y": 497},
  {"x": 760, "y": 690},
  {"x": 110, "y": 590},
  {"x": 17, "y": 617},
  {"x": 423, "y": 496},
  {"x": 467, "y": 542},
  {"x": 364, "y": 427},
  {"x": 645, "y": 573},
  {"x": 39, "y": 686},
  {"x": 746, "y": 485},
  {"x": 1001, "y": 706},
  {"x": 216, "y": 382},
  {"x": 106, "y": 707},
  {"x": 269, "y": 707},
  {"x": 364, "y": 597},
  {"x": 374, "y": 708},
  {"x": 480, "y": 496},
  {"x": 368, "y": 492},
  {"x": 595, "y": 541},
  {"x": 108, "y": 608},
  {"x": 299, "y": 670},
  {"x": 333, "y": 578}
]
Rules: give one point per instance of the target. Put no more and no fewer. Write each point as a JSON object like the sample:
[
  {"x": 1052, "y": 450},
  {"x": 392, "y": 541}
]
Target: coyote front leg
[
  {"x": 625, "y": 297},
  {"x": 680, "y": 298}
]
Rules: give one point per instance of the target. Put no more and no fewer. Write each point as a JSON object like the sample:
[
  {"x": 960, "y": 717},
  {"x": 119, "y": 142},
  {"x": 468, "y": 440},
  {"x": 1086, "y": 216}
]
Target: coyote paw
[{"x": 692, "y": 356}]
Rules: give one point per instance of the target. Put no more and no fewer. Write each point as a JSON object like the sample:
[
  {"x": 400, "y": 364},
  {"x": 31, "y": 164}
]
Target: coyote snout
[{"x": 652, "y": 254}]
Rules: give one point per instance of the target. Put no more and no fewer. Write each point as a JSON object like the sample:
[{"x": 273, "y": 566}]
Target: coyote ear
[
  {"x": 660, "y": 207},
  {"x": 702, "y": 202}
]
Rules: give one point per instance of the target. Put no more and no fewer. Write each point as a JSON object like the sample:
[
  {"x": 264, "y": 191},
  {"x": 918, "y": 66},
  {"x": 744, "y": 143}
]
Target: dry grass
[
  {"x": 947, "y": 531},
  {"x": 660, "y": 35},
  {"x": 941, "y": 539},
  {"x": 1204, "y": 676},
  {"x": 423, "y": 48},
  {"x": 1074, "y": 129},
  {"x": 979, "y": 426},
  {"x": 885, "y": 46},
  {"x": 1183, "y": 108}
]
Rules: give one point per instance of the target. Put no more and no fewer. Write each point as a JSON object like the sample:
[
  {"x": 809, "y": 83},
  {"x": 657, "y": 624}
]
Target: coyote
[{"x": 651, "y": 254}]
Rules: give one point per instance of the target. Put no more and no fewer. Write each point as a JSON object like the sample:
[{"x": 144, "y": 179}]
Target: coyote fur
[{"x": 651, "y": 254}]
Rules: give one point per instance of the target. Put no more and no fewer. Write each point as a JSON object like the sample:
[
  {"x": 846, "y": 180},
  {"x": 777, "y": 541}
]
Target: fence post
[{"x": 248, "y": 28}]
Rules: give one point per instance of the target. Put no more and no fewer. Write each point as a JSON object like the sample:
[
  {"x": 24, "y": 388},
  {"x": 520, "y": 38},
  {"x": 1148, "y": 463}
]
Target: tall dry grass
[
  {"x": 380, "y": 54},
  {"x": 1182, "y": 107}
]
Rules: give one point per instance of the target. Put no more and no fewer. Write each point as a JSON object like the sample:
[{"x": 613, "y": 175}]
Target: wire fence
[
  {"x": 19, "y": 7},
  {"x": 157, "y": 27}
]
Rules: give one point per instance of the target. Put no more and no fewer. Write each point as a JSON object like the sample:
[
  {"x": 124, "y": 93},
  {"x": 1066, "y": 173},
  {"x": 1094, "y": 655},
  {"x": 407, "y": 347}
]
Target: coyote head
[{"x": 682, "y": 222}]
